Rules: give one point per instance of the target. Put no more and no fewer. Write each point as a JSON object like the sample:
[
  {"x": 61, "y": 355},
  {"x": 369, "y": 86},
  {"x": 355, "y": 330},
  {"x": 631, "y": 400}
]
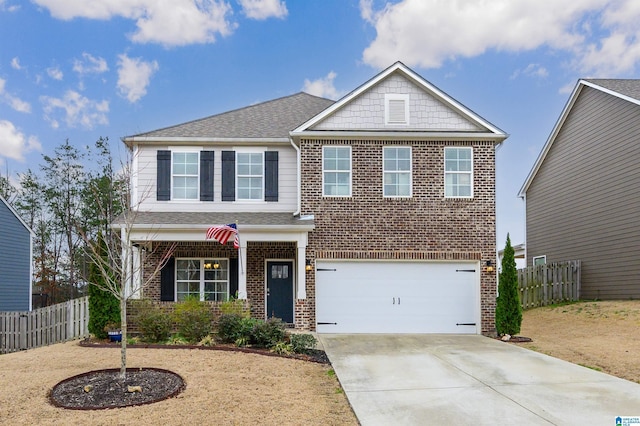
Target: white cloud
[
  {"x": 14, "y": 144},
  {"x": 15, "y": 64},
  {"x": 597, "y": 36},
  {"x": 264, "y": 9},
  {"x": 10, "y": 8},
  {"x": 167, "y": 22},
  {"x": 134, "y": 76},
  {"x": 366, "y": 11},
  {"x": 55, "y": 73},
  {"x": 322, "y": 87},
  {"x": 13, "y": 101},
  {"x": 531, "y": 70},
  {"x": 77, "y": 110},
  {"x": 89, "y": 64}
]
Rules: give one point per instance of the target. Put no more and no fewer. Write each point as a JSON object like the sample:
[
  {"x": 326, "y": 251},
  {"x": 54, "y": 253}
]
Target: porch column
[
  {"x": 242, "y": 270},
  {"x": 301, "y": 261},
  {"x": 136, "y": 273}
]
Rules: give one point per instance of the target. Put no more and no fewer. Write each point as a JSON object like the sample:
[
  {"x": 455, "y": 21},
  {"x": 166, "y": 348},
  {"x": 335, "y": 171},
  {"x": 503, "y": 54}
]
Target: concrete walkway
[{"x": 471, "y": 380}]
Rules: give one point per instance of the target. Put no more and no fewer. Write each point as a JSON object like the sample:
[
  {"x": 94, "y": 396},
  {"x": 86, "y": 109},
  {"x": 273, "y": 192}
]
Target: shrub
[
  {"x": 508, "y": 308},
  {"x": 232, "y": 327},
  {"x": 234, "y": 306},
  {"x": 267, "y": 333},
  {"x": 207, "y": 341},
  {"x": 104, "y": 307},
  {"x": 193, "y": 319},
  {"x": 302, "y": 343},
  {"x": 283, "y": 348},
  {"x": 153, "y": 323}
]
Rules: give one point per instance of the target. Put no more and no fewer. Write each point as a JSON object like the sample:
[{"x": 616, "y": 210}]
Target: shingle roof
[
  {"x": 270, "y": 119},
  {"x": 213, "y": 218},
  {"x": 627, "y": 87}
]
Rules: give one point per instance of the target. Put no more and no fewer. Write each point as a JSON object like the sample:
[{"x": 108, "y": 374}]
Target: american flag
[{"x": 222, "y": 234}]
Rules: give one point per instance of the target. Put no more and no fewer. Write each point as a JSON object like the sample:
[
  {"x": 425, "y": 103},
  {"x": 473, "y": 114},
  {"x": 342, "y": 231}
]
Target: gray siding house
[
  {"x": 15, "y": 260},
  {"x": 582, "y": 195}
]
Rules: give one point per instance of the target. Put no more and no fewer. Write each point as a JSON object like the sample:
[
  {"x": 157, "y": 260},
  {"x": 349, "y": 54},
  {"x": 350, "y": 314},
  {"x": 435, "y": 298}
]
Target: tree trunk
[{"x": 123, "y": 343}]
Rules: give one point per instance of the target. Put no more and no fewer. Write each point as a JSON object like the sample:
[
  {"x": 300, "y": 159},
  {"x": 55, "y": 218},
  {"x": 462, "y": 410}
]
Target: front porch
[{"x": 268, "y": 270}]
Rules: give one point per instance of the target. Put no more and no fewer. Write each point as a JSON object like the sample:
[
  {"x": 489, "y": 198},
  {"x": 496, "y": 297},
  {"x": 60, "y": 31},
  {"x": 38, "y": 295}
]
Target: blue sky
[{"x": 78, "y": 70}]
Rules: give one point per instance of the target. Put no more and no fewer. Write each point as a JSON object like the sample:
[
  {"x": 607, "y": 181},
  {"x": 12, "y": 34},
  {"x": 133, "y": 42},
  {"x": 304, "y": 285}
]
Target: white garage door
[{"x": 397, "y": 297}]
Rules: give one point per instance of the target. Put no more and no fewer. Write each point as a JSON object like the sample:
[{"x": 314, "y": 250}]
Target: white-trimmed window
[
  {"x": 458, "y": 172},
  {"x": 185, "y": 175},
  {"x": 336, "y": 171},
  {"x": 396, "y": 171},
  {"x": 250, "y": 175},
  {"x": 539, "y": 260},
  {"x": 206, "y": 279},
  {"x": 396, "y": 108}
]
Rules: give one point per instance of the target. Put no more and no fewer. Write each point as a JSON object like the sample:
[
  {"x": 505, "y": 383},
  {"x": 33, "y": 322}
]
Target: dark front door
[{"x": 280, "y": 290}]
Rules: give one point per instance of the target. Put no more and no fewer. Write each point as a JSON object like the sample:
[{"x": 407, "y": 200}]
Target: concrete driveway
[{"x": 471, "y": 380}]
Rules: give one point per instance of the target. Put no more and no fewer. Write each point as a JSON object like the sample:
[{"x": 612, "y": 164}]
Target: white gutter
[
  {"x": 203, "y": 140},
  {"x": 435, "y": 136},
  {"x": 298, "y": 178}
]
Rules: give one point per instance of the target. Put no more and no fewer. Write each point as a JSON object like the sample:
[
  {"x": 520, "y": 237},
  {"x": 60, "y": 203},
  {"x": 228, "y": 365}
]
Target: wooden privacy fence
[
  {"x": 543, "y": 285},
  {"x": 44, "y": 326}
]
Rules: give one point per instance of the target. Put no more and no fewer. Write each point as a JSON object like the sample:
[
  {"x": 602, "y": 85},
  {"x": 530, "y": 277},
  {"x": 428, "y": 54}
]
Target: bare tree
[{"x": 114, "y": 260}]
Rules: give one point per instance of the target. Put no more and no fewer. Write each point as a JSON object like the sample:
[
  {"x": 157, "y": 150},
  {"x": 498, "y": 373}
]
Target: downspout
[{"x": 298, "y": 177}]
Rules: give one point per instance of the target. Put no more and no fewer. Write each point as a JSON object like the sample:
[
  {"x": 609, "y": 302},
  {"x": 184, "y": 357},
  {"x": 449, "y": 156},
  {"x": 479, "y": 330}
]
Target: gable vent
[{"x": 397, "y": 109}]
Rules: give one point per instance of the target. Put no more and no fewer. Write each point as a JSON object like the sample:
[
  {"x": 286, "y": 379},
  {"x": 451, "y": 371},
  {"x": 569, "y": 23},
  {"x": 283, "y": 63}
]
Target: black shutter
[
  {"x": 228, "y": 176},
  {"x": 167, "y": 281},
  {"x": 271, "y": 176},
  {"x": 233, "y": 277},
  {"x": 206, "y": 175},
  {"x": 164, "y": 176}
]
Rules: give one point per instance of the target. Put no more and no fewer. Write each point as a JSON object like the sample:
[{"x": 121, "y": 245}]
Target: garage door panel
[{"x": 396, "y": 297}]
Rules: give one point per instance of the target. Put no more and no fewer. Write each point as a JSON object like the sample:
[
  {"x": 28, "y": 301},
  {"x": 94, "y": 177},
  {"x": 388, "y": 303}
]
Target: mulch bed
[
  {"x": 312, "y": 355},
  {"x": 102, "y": 389}
]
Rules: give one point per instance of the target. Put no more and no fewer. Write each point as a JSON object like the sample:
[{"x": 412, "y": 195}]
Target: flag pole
[{"x": 239, "y": 249}]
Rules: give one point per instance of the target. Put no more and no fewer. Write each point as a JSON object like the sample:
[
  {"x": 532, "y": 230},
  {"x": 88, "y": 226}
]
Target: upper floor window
[
  {"x": 458, "y": 172},
  {"x": 205, "y": 279},
  {"x": 184, "y": 175},
  {"x": 396, "y": 108},
  {"x": 249, "y": 174},
  {"x": 396, "y": 171},
  {"x": 336, "y": 171}
]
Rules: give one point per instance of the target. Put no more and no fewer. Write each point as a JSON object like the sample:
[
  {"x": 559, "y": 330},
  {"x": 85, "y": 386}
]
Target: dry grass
[
  {"x": 601, "y": 335},
  {"x": 223, "y": 388}
]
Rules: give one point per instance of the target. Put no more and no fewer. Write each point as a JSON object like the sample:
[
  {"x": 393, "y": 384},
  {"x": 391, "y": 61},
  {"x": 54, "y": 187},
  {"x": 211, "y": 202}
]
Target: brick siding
[
  {"x": 424, "y": 226},
  {"x": 257, "y": 254}
]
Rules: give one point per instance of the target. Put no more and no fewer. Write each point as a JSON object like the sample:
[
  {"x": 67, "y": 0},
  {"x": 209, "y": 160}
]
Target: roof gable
[
  {"x": 17, "y": 216},
  {"x": 267, "y": 120},
  {"x": 430, "y": 109},
  {"x": 628, "y": 90}
]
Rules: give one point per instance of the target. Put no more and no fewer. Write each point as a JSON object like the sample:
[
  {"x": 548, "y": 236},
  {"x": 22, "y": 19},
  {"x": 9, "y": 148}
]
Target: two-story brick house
[{"x": 375, "y": 213}]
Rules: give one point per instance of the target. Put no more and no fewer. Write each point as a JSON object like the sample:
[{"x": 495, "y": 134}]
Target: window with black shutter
[
  {"x": 271, "y": 175},
  {"x": 228, "y": 175},
  {"x": 206, "y": 175},
  {"x": 163, "y": 192}
]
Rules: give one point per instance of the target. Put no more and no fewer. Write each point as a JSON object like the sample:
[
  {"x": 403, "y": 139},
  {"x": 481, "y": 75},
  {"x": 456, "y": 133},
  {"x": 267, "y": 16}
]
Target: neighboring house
[
  {"x": 582, "y": 196},
  {"x": 375, "y": 213},
  {"x": 16, "y": 244}
]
